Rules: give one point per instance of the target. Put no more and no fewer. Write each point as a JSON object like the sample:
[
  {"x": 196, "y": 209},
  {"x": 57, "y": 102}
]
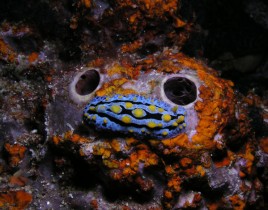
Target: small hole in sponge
[
  {"x": 180, "y": 90},
  {"x": 87, "y": 82}
]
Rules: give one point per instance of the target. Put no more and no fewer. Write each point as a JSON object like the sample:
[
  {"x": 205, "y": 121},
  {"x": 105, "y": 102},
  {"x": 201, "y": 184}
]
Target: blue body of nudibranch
[{"x": 135, "y": 114}]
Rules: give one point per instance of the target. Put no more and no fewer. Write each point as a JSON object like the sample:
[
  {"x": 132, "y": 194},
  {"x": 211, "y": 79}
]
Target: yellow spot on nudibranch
[
  {"x": 180, "y": 119},
  {"x": 174, "y": 109},
  {"x": 100, "y": 107},
  {"x": 175, "y": 124},
  {"x": 94, "y": 117},
  {"x": 120, "y": 97},
  {"x": 151, "y": 124},
  {"x": 130, "y": 131},
  {"x": 128, "y": 105},
  {"x": 152, "y": 108},
  {"x": 126, "y": 119},
  {"x": 184, "y": 124},
  {"x": 92, "y": 108},
  {"x": 107, "y": 99},
  {"x": 164, "y": 133},
  {"x": 166, "y": 117},
  {"x": 160, "y": 125},
  {"x": 160, "y": 110},
  {"x": 116, "y": 109},
  {"x": 138, "y": 113},
  {"x": 105, "y": 120}
]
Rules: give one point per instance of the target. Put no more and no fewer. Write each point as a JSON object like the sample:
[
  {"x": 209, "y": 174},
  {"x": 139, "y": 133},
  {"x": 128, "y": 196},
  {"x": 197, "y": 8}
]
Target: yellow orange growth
[
  {"x": 174, "y": 184},
  {"x": 18, "y": 180},
  {"x": 216, "y": 108},
  {"x": 16, "y": 153},
  {"x": 113, "y": 87},
  {"x": 69, "y": 136},
  {"x": 185, "y": 162},
  {"x": 129, "y": 166},
  {"x": 86, "y": 3},
  {"x": 158, "y": 7},
  {"x": 15, "y": 200},
  {"x": 179, "y": 23},
  {"x": 201, "y": 170},
  {"x": 125, "y": 69},
  {"x": 264, "y": 144},
  {"x": 33, "y": 57},
  {"x": 148, "y": 8},
  {"x": 224, "y": 162},
  {"x": 237, "y": 202},
  {"x": 56, "y": 139},
  {"x": 133, "y": 46},
  {"x": 6, "y": 52},
  {"x": 75, "y": 138},
  {"x": 168, "y": 194},
  {"x": 180, "y": 140},
  {"x": 94, "y": 204},
  {"x": 248, "y": 155},
  {"x": 115, "y": 145}
]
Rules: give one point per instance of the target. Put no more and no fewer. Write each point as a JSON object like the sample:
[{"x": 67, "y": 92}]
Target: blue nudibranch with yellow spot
[{"x": 135, "y": 114}]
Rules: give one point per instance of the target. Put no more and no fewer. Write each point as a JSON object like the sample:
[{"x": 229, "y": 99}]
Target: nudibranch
[{"x": 135, "y": 114}]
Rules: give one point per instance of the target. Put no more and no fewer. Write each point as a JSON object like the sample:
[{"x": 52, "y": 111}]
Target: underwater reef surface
[{"x": 137, "y": 104}]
